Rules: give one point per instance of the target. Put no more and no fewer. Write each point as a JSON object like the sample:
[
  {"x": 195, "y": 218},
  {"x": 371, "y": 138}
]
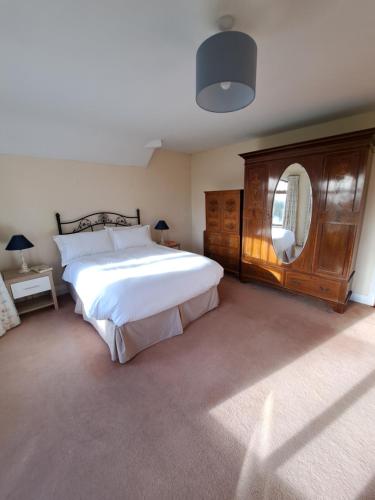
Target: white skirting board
[{"x": 369, "y": 300}]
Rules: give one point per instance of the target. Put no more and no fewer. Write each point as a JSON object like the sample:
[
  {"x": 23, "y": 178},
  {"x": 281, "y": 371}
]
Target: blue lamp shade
[
  {"x": 162, "y": 225},
  {"x": 226, "y": 72},
  {"x": 18, "y": 242}
]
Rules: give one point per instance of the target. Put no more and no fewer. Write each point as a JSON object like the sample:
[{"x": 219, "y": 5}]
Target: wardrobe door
[
  {"x": 340, "y": 211},
  {"x": 213, "y": 211},
  {"x": 255, "y": 197},
  {"x": 314, "y": 168}
]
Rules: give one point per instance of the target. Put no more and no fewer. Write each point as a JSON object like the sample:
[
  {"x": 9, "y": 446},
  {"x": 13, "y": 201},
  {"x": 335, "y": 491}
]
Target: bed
[
  {"x": 139, "y": 295},
  {"x": 283, "y": 241}
]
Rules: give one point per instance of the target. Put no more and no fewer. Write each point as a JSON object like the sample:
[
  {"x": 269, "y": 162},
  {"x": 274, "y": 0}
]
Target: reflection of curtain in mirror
[
  {"x": 291, "y": 203},
  {"x": 307, "y": 219},
  {"x": 8, "y": 314}
]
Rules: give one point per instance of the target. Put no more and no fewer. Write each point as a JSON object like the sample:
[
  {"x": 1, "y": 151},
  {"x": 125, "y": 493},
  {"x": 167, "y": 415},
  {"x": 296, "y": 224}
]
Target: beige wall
[
  {"x": 172, "y": 187},
  {"x": 222, "y": 168},
  {"x": 32, "y": 190}
]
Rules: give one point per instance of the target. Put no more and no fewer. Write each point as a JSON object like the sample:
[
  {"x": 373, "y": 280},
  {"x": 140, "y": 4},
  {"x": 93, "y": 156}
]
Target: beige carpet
[{"x": 268, "y": 397}]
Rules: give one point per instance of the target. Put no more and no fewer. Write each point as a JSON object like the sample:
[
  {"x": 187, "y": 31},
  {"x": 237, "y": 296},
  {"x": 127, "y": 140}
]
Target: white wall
[
  {"x": 222, "y": 168},
  {"x": 33, "y": 189}
]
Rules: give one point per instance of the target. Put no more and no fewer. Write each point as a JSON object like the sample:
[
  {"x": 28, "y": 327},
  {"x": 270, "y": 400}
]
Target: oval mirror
[{"x": 291, "y": 213}]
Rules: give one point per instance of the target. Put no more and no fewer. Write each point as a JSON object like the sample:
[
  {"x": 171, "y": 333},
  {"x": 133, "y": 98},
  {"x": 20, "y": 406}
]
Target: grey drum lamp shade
[
  {"x": 18, "y": 242},
  {"x": 162, "y": 225},
  {"x": 226, "y": 72}
]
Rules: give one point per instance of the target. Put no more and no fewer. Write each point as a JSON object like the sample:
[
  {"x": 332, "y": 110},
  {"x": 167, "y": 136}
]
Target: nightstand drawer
[{"x": 29, "y": 287}]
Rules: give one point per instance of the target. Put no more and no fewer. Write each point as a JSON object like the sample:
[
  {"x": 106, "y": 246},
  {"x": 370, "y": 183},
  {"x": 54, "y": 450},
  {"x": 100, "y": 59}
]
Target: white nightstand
[{"x": 28, "y": 290}]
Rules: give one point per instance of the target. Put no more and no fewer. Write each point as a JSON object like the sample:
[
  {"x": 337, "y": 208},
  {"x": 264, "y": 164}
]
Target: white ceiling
[{"x": 96, "y": 80}]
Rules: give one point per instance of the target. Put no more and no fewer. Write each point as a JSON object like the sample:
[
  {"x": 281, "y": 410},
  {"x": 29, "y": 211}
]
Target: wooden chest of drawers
[{"x": 222, "y": 238}]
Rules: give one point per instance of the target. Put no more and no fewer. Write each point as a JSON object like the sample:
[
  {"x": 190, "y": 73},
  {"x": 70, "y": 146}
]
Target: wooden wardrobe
[
  {"x": 338, "y": 168},
  {"x": 222, "y": 238}
]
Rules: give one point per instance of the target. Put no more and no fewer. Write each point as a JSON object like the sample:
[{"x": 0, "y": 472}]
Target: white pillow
[
  {"x": 137, "y": 237},
  {"x": 121, "y": 228},
  {"x": 74, "y": 246}
]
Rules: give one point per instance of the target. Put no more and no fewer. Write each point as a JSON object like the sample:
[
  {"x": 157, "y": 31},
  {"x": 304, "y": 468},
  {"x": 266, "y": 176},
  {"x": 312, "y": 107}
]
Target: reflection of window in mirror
[{"x": 278, "y": 212}]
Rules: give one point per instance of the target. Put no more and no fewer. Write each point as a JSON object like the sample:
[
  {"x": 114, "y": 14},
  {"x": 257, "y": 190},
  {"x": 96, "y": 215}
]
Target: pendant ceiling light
[{"x": 226, "y": 70}]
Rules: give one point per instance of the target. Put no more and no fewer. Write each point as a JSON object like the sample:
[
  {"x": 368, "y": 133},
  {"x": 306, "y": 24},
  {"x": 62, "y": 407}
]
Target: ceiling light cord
[{"x": 225, "y": 23}]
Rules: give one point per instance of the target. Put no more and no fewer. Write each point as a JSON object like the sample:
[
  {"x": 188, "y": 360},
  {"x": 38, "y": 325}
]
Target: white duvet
[
  {"x": 283, "y": 240},
  {"x": 132, "y": 284}
]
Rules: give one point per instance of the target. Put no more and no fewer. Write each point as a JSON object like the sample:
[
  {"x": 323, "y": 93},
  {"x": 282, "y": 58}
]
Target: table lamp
[
  {"x": 162, "y": 226},
  {"x": 19, "y": 242}
]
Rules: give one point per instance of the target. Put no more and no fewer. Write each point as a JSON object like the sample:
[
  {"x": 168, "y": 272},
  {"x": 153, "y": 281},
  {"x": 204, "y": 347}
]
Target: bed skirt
[{"x": 126, "y": 341}]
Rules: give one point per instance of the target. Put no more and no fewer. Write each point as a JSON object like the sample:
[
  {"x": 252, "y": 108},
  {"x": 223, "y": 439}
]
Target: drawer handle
[
  {"x": 324, "y": 289},
  {"x": 295, "y": 282},
  {"x": 31, "y": 287}
]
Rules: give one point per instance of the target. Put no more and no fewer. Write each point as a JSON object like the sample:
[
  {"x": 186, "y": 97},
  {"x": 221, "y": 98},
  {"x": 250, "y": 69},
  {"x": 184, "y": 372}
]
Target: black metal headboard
[{"x": 88, "y": 222}]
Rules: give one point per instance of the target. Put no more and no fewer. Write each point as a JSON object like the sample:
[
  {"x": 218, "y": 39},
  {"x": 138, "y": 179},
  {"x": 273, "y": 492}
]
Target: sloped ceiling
[{"x": 96, "y": 80}]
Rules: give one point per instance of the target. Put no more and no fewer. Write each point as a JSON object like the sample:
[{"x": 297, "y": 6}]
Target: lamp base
[
  {"x": 24, "y": 267},
  {"x": 24, "y": 270},
  {"x": 161, "y": 237}
]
